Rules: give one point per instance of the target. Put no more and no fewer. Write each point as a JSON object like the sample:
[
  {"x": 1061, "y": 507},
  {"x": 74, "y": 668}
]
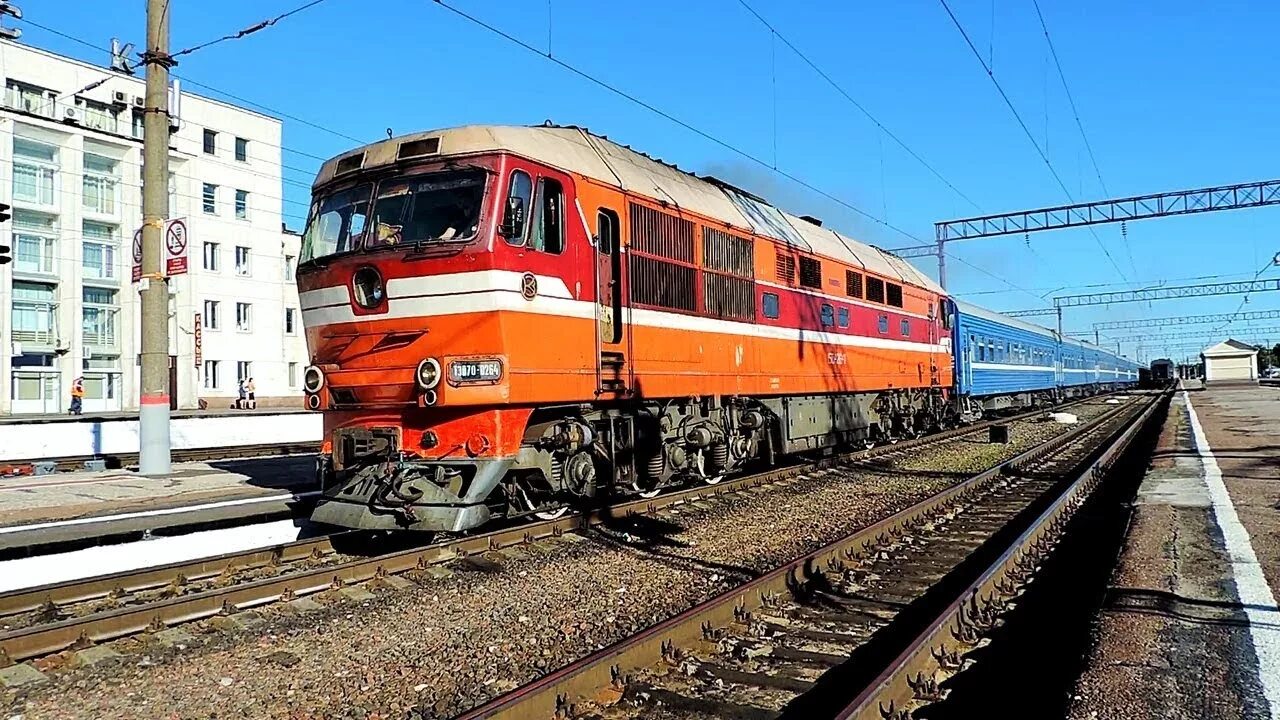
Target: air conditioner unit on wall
[
  {"x": 120, "y": 98},
  {"x": 139, "y": 101},
  {"x": 71, "y": 115}
]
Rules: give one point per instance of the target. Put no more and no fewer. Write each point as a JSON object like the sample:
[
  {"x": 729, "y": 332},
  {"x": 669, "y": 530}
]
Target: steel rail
[
  {"x": 557, "y": 691},
  {"x": 43, "y": 639},
  {"x": 911, "y": 679}
]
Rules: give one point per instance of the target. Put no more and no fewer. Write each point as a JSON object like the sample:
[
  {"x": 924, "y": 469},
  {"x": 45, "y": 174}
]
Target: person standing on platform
[
  {"x": 241, "y": 401},
  {"x": 249, "y": 388},
  {"x": 77, "y": 396}
]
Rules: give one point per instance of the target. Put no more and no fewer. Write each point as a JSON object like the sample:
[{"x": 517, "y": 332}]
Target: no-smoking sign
[{"x": 176, "y": 243}]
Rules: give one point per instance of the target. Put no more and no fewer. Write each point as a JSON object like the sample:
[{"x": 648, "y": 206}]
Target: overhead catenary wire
[
  {"x": 1079, "y": 123},
  {"x": 1026, "y": 130},
  {"x": 670, "y": 117},
  {"x": 854, "y": 102},
  {"x": 190, "y": 81},
  {"x": 262, "y": 25}
]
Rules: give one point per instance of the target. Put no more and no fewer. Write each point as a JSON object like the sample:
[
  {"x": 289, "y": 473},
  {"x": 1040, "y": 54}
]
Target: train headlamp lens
[
  {"x": 312, "y": 379},
  {"x": 428, "y": 373}
]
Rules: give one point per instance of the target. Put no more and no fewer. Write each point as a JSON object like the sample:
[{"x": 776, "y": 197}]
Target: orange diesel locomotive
[{"x": 505, "y": 319}]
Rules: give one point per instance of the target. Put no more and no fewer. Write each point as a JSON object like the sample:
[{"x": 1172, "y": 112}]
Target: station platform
[
  {"x": 1190, "y": 627},
  {"x": 52, "y": 437},
  {"x": 69, "y": 507}
]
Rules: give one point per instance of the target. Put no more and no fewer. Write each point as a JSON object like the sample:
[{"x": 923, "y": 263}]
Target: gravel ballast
[{"x": 448, "y": 641}]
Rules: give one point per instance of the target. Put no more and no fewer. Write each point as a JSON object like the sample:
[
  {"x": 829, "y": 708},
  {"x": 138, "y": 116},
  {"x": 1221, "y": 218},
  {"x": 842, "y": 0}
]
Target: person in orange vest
[{"x": 77, "y": 395}]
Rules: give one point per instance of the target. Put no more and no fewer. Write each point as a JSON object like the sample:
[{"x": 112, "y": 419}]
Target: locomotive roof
[{"x": 576, "y": 150}]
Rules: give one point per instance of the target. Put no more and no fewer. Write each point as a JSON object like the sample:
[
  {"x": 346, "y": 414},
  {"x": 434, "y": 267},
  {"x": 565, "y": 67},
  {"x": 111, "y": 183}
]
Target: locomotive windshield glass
[
  {"x": 441, "y": 207},
  {"x": 337, "y": 223}
]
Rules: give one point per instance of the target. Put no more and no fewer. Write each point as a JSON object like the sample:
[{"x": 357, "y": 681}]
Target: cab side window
[
  {"x": 548, "y": 221},
  {"x": 520, "y": 189}
]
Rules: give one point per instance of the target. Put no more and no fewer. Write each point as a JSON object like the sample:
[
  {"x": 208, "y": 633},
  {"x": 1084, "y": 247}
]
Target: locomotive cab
[{"x": 409, "y": 268}]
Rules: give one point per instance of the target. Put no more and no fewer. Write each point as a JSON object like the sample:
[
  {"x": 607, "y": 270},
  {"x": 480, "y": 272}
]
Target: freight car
[{"x": 503, "y": 320}]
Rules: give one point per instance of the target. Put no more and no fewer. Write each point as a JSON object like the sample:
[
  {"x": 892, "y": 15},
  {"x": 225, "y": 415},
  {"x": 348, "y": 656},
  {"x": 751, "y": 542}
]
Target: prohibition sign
[{"x": 175, "y": 238}]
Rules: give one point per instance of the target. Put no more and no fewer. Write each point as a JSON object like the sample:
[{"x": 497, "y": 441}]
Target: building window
[
  {"x": 293, "y": 374},
  {"x": 244, "y": 371},
  {"x": 29, "y": 98},
  {"x": 212, "y": 256},
  {"x": 844, "y": 317},
  {"x": 290, "y": 267},
  {"x": 883, "y": 325},
  {"x": 100, "y": 183},
  {"x": 210, "y": 142},
  {"x": 138, "y": 124},
  {"x": 211, "y": 314},
  {"x": 34, "y": 313},
  {"x": 769, "y": 305},
  {"x": 34, "y": 242},
  {"x": 96, "y": 115},
  {"x": 242, "y": 261},
  {"x": 242, "y": 149},
  {"x": 905, "y": 327},
  {"x": 99, "y": 244},
  {"x": 211, "y": 379},
  {"x": 290, "y": 326},
  {"x": 210, "y": 198},
  {"x": 827, "y": 314},
  {"x": 242, "y": 204},
  {"x": 244, "y": 317},
  {"x": 101, "y": 307},
  {"x": 34, "y": 168}
]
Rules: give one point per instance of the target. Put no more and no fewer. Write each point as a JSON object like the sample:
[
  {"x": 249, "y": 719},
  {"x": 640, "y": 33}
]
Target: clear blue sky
[{"x": 1172, "y": 98}]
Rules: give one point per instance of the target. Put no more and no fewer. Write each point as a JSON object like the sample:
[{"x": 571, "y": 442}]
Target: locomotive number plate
[{"x": 475, "y": 371}]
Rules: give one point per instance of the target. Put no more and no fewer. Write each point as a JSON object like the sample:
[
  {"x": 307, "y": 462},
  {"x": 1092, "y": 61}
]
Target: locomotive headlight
[
  {"x": 312, "y": 379},
  {"x": 428, "y": 373},
  {"x": 368, "y": 288}
]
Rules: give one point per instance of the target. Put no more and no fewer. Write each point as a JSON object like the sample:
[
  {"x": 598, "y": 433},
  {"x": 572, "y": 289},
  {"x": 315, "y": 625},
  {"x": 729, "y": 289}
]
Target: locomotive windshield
[{"x": 436, "y": 208}]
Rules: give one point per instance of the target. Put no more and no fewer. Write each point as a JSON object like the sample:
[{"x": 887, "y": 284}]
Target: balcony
[
  {"x": 43, "y": 337},
  {"x": 31, "y": 100}
]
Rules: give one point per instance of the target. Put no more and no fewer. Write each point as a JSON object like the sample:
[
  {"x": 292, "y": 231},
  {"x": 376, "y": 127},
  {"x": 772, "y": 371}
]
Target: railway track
[
  {"x": 49, "y": 619},
  {"x": 882, "y": 616},
  {"x": 119, "y": 460}
]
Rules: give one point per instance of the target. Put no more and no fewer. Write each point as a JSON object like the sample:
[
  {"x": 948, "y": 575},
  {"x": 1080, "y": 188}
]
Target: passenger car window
[
  {"x": 884, "y": 325},
  {"x": 844, "y": 317},
  {"x": 548, "y": 224},
  {"x": 769, "y": 305},
  {"x": 828, "y": 315},
  {"x": 905, "y": 327}
]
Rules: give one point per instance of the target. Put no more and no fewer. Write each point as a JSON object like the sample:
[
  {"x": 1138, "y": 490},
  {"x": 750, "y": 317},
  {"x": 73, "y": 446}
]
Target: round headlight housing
[
  {"x": 312, "y": 379},
  {"x": 428, "y": 373},
  {"x": 367, "y": 288}
]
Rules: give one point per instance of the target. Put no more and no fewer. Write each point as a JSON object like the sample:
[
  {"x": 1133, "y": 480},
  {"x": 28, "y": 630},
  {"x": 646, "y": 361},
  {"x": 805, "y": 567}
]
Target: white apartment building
[{"x": 70, "y": 165}]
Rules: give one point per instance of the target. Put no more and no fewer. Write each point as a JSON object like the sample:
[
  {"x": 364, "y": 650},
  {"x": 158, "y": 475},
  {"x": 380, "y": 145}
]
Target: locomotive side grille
[
  {"x": 786, "y": 268},
  {"x": 661, "y": 235},
  {"x": 852, "y": 284},
  {"x": 810, "y": 273},
  {"x": 875, "y": 289},
  {"x": 893, "y": 293},
  {"x": 728, "y": 297},
  {"x": 728, "y": 253},
  {"x": 662, "y": 284}
]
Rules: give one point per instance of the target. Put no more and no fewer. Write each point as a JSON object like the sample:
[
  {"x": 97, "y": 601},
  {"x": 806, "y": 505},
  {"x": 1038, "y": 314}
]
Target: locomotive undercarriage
[{"x": 576, "y": 455}]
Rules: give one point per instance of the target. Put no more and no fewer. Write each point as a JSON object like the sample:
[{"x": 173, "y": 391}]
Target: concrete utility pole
[{"x": 153, "y": 430}]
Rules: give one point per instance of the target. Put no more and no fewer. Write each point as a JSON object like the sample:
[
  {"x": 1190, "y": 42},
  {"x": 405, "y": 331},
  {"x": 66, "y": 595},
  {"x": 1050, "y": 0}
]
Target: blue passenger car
[{"x": 1002, "y": 361}]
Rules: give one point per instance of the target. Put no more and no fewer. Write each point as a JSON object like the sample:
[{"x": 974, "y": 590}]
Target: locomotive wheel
[
  {"x": 645, "y": 493},
  {"x": 552, "y": 514}
]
